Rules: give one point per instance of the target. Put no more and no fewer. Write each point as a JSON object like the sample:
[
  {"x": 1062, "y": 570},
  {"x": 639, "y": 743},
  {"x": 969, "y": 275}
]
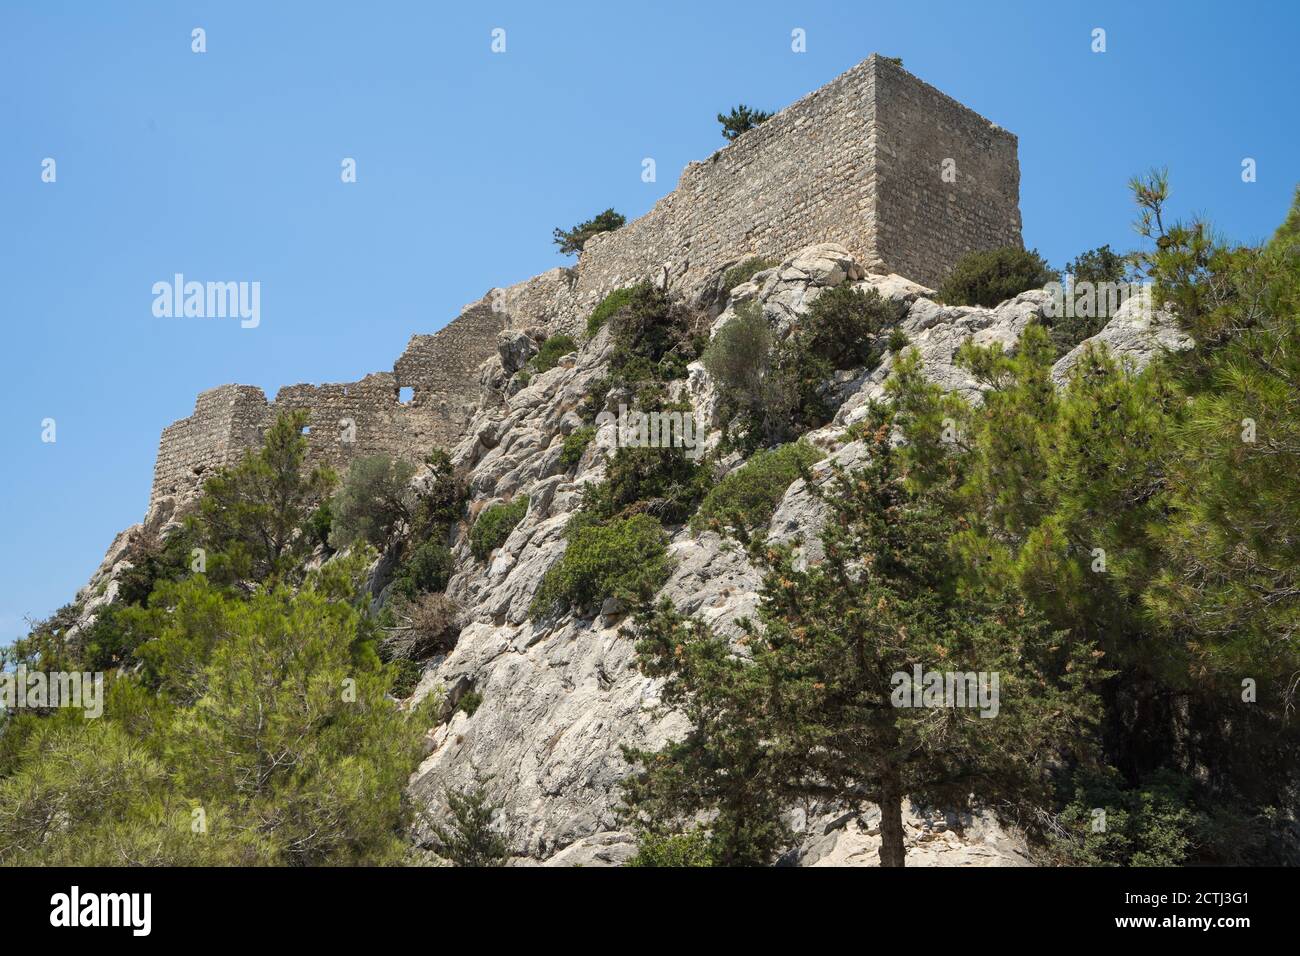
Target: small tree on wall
[
  {"x": 572, "y": 241},
  {"x": 741, "y": 119}
]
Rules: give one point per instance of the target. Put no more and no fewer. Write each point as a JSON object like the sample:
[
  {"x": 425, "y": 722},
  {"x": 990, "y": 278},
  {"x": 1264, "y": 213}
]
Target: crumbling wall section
[
  {"x": 194, "y": 447},
  {"x": 345, "y": 420}
]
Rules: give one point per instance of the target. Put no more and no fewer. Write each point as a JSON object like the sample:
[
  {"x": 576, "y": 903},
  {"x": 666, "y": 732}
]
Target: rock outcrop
[
  {"x": 559, "y": 698},
  {"x": 854, "y": 162},
  {"x": 1134, "y": 334}
]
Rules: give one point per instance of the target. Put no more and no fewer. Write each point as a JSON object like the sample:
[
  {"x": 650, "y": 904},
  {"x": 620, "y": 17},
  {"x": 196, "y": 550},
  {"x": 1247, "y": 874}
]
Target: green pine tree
[
  {"x": 470, "y": 838},
  {"x": 814, "y": 708},
  {"x": 251, "y": 515}
]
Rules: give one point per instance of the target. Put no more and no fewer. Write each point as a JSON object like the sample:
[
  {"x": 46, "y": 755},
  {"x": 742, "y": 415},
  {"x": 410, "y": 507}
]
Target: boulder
[{"x": 515, "y": 348}]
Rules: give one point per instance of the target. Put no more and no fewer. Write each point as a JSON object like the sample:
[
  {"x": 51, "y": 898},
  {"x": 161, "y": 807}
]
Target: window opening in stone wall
[{"x": 406, "y": 394}]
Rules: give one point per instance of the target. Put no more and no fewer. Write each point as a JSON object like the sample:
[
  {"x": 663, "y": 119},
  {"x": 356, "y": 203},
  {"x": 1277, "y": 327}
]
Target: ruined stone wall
[
  {"x": 443, "y": 368},
  {"x": 192, "y": 448},
  {"x": 804, "y": 176},
  {"x": 856, "y": 162},
  {"x": 345, "y": 420}
]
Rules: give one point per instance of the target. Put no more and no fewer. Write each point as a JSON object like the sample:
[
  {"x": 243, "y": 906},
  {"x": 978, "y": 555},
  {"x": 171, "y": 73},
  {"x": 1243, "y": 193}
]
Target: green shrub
[
  {"x": 607, "y": 307},
  {"x": 321, "y": 523},
  {"x": 112, "y": 639},
  {"x": 495, "y": 524},
  {"x": 655, "y": 337},
  {"x": 469, "y": 838},
  {"x": 746, "y": 499},
  {"x": 1098, "y": 265},
  {"x": 624, "y": 558},
  {"x": 665, "y": 482},
  {"x": 551, "y": 351},
  {"x": 844, "y": 325},
  {"x": 573, "y": 240},
  {"x": 991, "y": 276},
  {"x": 898, "y": 340},
  {"x": 442, "y": 502},
  {"x": 739, "y": 355},
  {"x": 771, "y": 392},
  {"x": 693, "y": 848},
  {"x": 744, "y": 271},
  {"x": 469, "y": 702},
  {"x": 375, "y": 496},
  {"x": 575, "y": 444},
  {"x": 1089, "y": 315},
  {"x": 1150, "y": 825},
  {"x": 740, "y": 359},
  {"x": 153, "y": 563},
  {"x": 406, "y": 676},
  {"x": 427, "y": 569},
  {"x": 593, "y": 403}
]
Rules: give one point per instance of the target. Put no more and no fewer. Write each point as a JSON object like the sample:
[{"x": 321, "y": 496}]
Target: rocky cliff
[{"x": 560, "y": 697}]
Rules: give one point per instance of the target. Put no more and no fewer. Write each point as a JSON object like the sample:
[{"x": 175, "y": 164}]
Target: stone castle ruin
[{"x": 903, "y": 176}]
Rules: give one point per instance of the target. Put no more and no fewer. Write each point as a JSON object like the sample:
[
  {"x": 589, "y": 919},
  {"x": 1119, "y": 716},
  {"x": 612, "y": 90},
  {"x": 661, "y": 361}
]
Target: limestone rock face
[
  {"x": 937, "y": 331},
  {"x": 515, "y": 348},
  {"x": 1135, "y": 334},
  {"x": 102, "y": 588},
  {"x": 559, "y": 698}
]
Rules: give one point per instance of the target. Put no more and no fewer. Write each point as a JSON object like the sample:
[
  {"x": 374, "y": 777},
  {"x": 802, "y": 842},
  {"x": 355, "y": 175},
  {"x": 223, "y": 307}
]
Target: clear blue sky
[{"x": 226, "y": 165}]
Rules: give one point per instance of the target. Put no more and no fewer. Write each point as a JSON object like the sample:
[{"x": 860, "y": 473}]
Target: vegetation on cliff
[
  {"x": 811, "y": 711},
  {"x": 1124, "y": 553},
  {"x": 248, "y": 719},
  {"x": 990, "y": 276},
  {"x": 1119, "y": 549}
]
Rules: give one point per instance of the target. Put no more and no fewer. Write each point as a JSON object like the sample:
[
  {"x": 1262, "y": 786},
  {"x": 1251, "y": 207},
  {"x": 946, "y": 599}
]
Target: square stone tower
[
  {"x": 946, "y": 181},
  {"x": 902, "y": 175}
]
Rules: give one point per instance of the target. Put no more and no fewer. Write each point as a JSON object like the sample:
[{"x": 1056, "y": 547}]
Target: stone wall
[
  {"x": 190, "y": 449},
  {"x": 346, "y": 420},
  {"x": 923, "y": 224},
  {"x": 804, "y": 176},
  {"x": 856, "y": 162}
]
